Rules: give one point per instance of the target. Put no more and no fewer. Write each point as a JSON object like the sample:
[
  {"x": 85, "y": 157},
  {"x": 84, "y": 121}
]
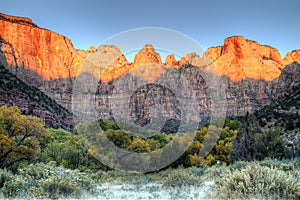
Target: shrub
[
  {"x": 40, "y": 170},
  {"x": 46, "y": 181},
  {"x": 119, "y": 138},
  {"x": 216, "y": 171},
  {"x": 60, "y": 186},
  {"x": 157, "y": 141},
  {"x": 285, "y": 165},
  {"x": 258, "y": 180},
  {"x": 139, "y": 145},
  {"x": 238, "y": 165},
  {"x": 120, "y": 177},
  {"x": 108, "y": 124},
  {"x": 180, "y": 178},
  {"x": 198, "y": 171},
  {"x": 153, "y": 144},
  {"x": 5, "y": 176},
  {"x": 14, "y": 186},
  {"x": 233, "y": 124},
  {"x": 65, "y": 148}
]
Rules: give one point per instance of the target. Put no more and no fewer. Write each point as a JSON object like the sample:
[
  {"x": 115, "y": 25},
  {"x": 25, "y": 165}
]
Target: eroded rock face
[
  {"x": 239, "y": 58},
  {"x": 214, "y": 52},
  {"x": 289, "y": 78},
  {"x": 118, "y": 64},
  {"x": 183, "y": 61},
  {"x": 291, "y": 57},
  {"x": 171, "y": 62},
  {"x": 32, "y": 101},
  {"x": 39, "y": 57},
  {"x": 147, "y": 56},
  {"x": 44, "y": 59},
  {"x": 47, "y": 53}
]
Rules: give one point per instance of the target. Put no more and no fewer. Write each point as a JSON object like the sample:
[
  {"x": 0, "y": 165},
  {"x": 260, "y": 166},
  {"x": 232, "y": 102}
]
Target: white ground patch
[{"x": 152, "y": 191}]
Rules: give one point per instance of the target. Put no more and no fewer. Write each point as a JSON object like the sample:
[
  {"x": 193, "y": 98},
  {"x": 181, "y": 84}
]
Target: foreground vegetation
[
  {"x": 246, "y": 162},
  {"x": 265, "y": 179}
]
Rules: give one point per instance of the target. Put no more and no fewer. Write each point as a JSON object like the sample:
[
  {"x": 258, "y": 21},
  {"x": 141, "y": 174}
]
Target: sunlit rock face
[
  {"x": 39, "y": 57},
  {"x": 250, "y": 72},
  {"x": 291, "y": 57},
  {"x": 171, "y": 62},
  {"x": 240, "y": 58},
  {"x": 147, "y": 56}
]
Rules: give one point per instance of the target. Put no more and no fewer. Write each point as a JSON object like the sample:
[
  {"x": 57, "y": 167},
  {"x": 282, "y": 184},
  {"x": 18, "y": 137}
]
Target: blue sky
[{"x": 209, "y": 22}]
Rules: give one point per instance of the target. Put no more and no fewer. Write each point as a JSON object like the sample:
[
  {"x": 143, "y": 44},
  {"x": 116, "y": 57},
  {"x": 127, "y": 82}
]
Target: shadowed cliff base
[
  {"x": 32, "y": 101},
  {"x": 245, "y": 96}
]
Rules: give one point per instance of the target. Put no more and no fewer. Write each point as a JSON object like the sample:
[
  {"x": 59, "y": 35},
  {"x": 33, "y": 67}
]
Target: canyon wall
[{"x": 252, "y": 75}]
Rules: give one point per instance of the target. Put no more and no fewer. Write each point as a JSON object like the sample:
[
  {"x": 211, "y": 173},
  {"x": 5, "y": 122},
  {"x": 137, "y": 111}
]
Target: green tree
[
  {"x": 154, "y": 144},
  {"x": 254, "y": 144},
  {"x": 275, "y": 144},
  {"x": 139, "y": 145},
  {"x": 232, "y": 124},
  {"x": 71, "y": 153},
  {"x": 243, "y": 147},
  {"x": 220, "y": 150},
  {"x": 21, "y": 136},
  {"x": 158, "y": 141},
  {"x": 224, "y": 144},
  {"x": 106, "y": 124},
  {"x": 197, "y": 161},
  {"x": 162, "y": 138},
  {"x": 118, "y": 137},
  {"x": 67, "y": 149}
]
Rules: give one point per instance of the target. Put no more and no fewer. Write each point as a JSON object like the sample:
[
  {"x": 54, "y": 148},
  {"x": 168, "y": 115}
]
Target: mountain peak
[
  {"x": 146, "y": 56},
  {"x": 16, "y": 19},
  {"x": 148, "y": 47},
  {"x": 171, "y": 61},
  {"x": 52, "y": 56},
  {"x": 292, "y": 56},
  {"x": 240, "y": 58}
]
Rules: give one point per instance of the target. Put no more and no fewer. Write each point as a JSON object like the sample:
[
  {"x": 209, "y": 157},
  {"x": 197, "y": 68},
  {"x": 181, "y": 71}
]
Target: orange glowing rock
[
  {"x": 240, "y": 58},
  {"x": 147, "y": 56},
  {"x": 47, "y": 53},
  {"x": 51, "y": 56},
  {"x": 291, "y": 57}
]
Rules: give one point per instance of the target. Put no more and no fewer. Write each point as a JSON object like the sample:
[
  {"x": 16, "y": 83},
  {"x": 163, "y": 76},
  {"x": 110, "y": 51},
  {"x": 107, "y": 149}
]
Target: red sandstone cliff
[
  {"x": 47, "y": 53},
  {"x": 291, "y": 57},
  {"x": 52, "y": 56},
  {"x": 39, "y": 57},
  {"x": 240, "y": 58},
  {"x": 49, "y": 61}
]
